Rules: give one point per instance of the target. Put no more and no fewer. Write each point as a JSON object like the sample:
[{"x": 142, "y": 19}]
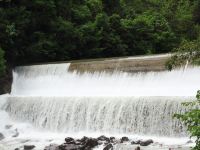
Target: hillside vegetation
[{"x": 56, "y": 30}]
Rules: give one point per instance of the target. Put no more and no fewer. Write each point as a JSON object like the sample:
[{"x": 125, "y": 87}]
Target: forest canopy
[{"x": 57, "y": 30}]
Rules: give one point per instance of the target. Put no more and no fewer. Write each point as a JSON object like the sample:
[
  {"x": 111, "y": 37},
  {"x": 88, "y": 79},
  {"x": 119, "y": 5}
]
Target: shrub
[{"x": 191, "y": 118}]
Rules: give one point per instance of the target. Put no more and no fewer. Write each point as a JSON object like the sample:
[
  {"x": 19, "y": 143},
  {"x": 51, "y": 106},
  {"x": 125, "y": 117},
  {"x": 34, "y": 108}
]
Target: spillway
[
  {"x": 54, "y": 98},
  {"x": 56, "y": 80},
  {"x": 114, "y": 115}
]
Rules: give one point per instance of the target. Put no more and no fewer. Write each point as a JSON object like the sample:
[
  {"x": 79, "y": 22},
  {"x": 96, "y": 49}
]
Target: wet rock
[
  {"x": 50, "y": 140},
  {"x": 188, "y": 142},
  {"x": 52, "y": 147},
  {"x": 81, "y": 144},
  {"x": 29, "y": 147},
  {"x": 124, "y": 139},
  {"x": 24, "y": 141},
  {"x": 69, "y": 140},
  {"x": 112, "y": 139},
  {"x": 135, "y": 142},
  {"x": 83, "y": 140},
  {"x": 8, "y": 126},
  {"x": 16, "y": 133},
  {"x": 91, "y": 142},
  {"x": 70, "y": 147},
  {"x": 146, "y": 143},
  {"x": 108, "y": 147},
  {"x": 2, "y": 136},
  {"x": 137, "y": 148},
  {"x": 103, "y": 138}
]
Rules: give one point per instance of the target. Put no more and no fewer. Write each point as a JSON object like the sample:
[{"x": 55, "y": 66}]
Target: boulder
[
  {"x": 112, "y": 139},
  {"x": 52, "y": 147},
  {"x": 81, "y": 144},
  {"x": 2, "y": 136},
  {"x": 124, "y": 139},
  {"x": 91, "y": 143},
  {"x": 70, "y": 147},
  {"x": 146, "y": 143},
  {"x": 29, "y": 147},
  {"x": 108, "y": 147},
  {"x": 69, "y": 140},
  {"x": 135, "y": 142},
  {"x": 103, "y": 138},
  {"x": 8, "y": 126},
  {"x": 188, "y": 142},
  {"x": 137, "y": 148},
  {"x": 83, "y": 140}
]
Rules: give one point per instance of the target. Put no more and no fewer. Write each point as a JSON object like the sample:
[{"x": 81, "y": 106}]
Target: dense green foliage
[
  {"x": 192, "y": 119},
  {"x": 187, "y": 53},
  {"x": 54, "y": 30}
]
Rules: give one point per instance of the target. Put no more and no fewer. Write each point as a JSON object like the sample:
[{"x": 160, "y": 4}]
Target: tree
[
  {"x": 51, "y": 30},
  {"x": 111, "y": 6},
  {"x": 90, "y": 41},
  {"x": 148, "y": 33},
  {"x": 187, "y": 53},
  {"x": 110, "y": 42},
  {"x": 95, "y": 7},
  {"x": 81, "y": 14},
  {"x": 196, "y": 12},
  {"x": 179, "y": 14}
]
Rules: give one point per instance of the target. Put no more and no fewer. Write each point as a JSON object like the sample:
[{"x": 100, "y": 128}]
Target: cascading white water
[
  {"x": 55, "y": 80},
  {"x": 51, "y": 97},
  {"x": 126, "y": 115}
]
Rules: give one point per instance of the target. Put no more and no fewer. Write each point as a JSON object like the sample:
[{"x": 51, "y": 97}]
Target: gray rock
[
  {"x": 29, "y": 147},
  {"x": 146, "y": 143},
  {"x": 137, "y": 148},
  {"x": 52, "y": 147},
  {"x": 103, "y": 138},
  {"x": 70, "y": 147},
  {"x": 8, "y": 127},
  {"x": 112, "y": 139},
  {"x": 24, "y": 141},
  {"x": 135, "y": 142},
  {"x": 69, "y": 140},
  {"x": 91, "y": 142},
  {"x": 83, "y": 140},
  {"x": 188, "y": 142},
  {"x": 124, "y": 139},
  {"x": 108, "y": 147},
  {"x": 2, "y": 136}
]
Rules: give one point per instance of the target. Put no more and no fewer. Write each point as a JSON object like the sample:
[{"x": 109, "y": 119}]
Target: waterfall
[
  {"x": 53, "y": 98},
  {"x": 56, "y": 80},
  {"x": 126, "y": 115}
]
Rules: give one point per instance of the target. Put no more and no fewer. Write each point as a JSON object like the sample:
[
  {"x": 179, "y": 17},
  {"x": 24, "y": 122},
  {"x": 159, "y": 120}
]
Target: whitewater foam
[{"x": 55, "y": 80}]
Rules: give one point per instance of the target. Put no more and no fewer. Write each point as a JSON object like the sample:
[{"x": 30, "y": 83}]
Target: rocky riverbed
[
  {"x": 14, "y": 139},
  {"x": 86, "y": 143}
]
